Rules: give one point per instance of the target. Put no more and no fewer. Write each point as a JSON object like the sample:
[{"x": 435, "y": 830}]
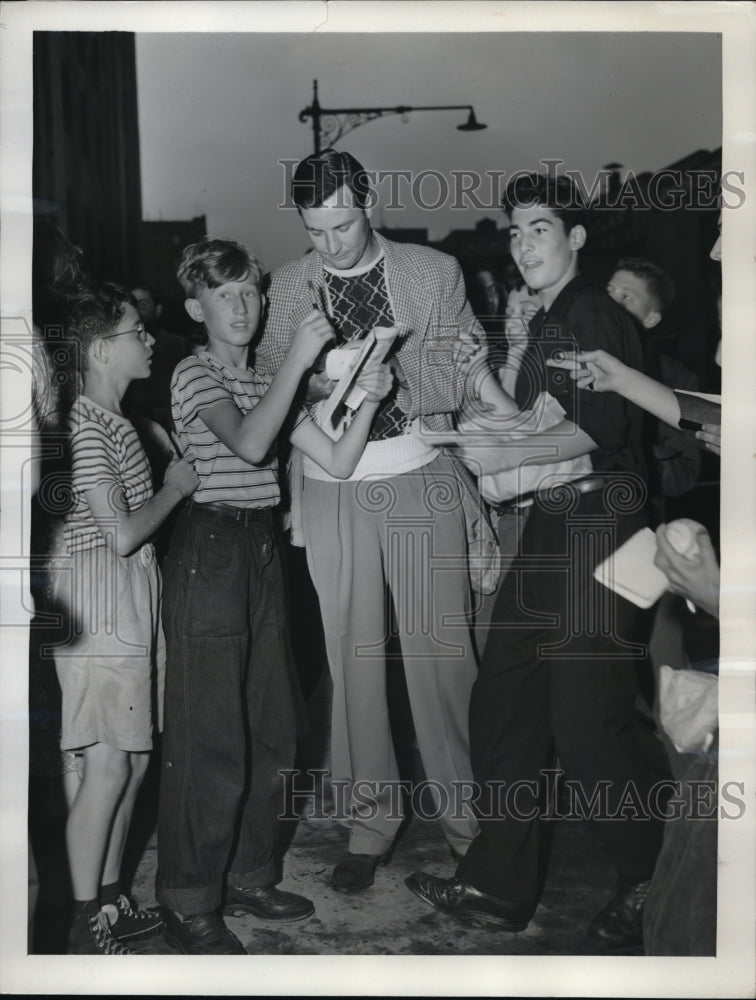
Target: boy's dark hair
[
  {"x": 659, "y": 285},
  {"x": 95, "y": 311},
  {"x": 559, "y": 193},
  {"x": 211, "y": 263},
  {"x": 320, "y": 175}
]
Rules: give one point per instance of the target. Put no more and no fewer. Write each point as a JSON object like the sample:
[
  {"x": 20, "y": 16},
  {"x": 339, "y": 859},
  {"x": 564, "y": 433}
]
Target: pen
[
  {"x": 176, "y": 443},
  {"x": 319, "y": 300}
]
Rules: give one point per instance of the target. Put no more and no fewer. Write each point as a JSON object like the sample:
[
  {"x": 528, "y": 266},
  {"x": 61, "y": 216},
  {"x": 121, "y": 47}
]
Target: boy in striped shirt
[
  {"x": 107, "y": 588},
  {"x": 230, "y": 686}
]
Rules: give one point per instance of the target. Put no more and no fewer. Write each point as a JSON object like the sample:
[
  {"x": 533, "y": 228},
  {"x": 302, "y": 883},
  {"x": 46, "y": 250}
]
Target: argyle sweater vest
[{"x": 358, "y": 302}]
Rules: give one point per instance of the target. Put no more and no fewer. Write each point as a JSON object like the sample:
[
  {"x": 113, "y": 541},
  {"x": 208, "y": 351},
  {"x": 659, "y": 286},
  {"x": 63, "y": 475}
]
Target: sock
[
  {"x": 110, "y": 893},
  {"x": 85, "y": 907}
]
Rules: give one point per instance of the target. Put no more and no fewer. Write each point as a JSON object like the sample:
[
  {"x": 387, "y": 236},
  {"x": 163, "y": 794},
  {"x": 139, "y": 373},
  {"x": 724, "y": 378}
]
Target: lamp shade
[{"x": 472, "y": 124}]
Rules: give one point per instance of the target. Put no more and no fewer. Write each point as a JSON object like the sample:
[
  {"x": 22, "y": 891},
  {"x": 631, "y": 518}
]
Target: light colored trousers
[{"x": 408, "y": 531}]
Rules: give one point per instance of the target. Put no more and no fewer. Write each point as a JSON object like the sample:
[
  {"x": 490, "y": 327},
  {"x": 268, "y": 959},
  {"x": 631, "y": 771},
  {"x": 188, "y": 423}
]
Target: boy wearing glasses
[{"x": 107, "y": 587}]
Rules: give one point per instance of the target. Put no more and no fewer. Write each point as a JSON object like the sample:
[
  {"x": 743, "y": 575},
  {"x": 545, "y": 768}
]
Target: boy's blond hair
[{"x": 211, "y": 263}]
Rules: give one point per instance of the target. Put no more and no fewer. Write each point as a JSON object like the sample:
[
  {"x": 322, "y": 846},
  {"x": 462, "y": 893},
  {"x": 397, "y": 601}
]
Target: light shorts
[{"x": 111, "y": 669}]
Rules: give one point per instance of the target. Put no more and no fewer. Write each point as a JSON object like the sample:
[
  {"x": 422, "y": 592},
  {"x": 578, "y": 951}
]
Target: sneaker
[
  {"x": 129, "y": 924},
  {"x": 90, "y": 935}
]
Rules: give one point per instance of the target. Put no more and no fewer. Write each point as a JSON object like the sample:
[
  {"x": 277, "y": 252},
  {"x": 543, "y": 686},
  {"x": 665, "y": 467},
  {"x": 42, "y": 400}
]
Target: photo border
[{"x": 731, "y": 973}]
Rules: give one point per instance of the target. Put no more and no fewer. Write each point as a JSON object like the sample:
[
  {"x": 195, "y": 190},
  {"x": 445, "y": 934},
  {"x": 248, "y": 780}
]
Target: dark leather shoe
[
  {"x": 467, "y": 904},
  {"x": 267, "y": 903},
  {"x": 204, "y": 934},
  {"x": 357, "y": 871},
  {"x": 619, "y": 926}
]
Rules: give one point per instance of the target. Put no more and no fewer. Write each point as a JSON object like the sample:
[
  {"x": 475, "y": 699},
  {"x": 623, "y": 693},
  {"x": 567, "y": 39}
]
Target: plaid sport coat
[{"x": 429, "y": 302}]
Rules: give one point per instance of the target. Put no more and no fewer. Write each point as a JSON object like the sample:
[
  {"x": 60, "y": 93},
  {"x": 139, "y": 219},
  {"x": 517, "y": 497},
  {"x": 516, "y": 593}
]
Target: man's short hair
[
  {"x": 559, "y": 193},
  {"x": 95, "y": 310},
  {"x": 211, "y": 263},
  {"x": 660, "y": 287},
  {"x": 319, "y": 176}
]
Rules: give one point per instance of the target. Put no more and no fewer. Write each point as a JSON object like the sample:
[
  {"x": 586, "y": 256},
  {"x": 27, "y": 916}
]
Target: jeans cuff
[
  {"x": 260, "y": 878},
  {"x": 190, "y": 902}
]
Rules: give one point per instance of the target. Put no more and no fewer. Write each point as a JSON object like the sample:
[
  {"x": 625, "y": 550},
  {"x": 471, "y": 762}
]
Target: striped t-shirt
[
  {"x": 198, "y": 382},
  {"x": 105, "y": 451}
]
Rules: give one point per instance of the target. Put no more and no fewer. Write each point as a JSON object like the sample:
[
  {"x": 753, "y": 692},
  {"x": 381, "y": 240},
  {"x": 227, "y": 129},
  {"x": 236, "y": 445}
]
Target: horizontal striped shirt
[
  {"x": 199, "y": 382},
  {"x": 105, "y": 451}
]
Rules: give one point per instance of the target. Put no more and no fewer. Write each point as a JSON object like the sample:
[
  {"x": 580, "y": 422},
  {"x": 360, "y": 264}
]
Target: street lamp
[{"x": 330, "y": 124}]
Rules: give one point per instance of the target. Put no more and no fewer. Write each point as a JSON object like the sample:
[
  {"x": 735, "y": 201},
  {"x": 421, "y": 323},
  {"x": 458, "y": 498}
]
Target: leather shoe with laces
[
  {"x": 267, "y": 903},
  {"x": 467, "y": 904},
  {"x": 619, "y": 926},
  {"x": 203, "y": 934},
  {"x": 357, "y": 871}
]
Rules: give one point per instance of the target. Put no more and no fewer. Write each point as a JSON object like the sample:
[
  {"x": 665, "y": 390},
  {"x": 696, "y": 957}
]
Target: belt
[
  {"x": 246, "y": 515},
  {"x": 590, "y": 484}
]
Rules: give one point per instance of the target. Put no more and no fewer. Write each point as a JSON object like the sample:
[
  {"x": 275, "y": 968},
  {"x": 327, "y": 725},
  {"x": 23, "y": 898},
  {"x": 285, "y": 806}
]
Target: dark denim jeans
[
  {"x": 229, "y": 707},
  {"x": 558, "y": 676}
]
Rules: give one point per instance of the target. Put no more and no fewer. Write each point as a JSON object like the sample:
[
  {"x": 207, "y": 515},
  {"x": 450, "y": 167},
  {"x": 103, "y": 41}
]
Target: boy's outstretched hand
[
  {"x": 181, "y": 476},
  {"x": 593, "y": 369},
  {"x": 376, "y": 379},
  {"x": 310, "y": 337}
]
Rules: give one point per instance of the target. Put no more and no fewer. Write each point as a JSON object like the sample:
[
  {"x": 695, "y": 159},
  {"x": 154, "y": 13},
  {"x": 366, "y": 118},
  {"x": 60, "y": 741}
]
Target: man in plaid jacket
[{"x": 397, "y": 521}]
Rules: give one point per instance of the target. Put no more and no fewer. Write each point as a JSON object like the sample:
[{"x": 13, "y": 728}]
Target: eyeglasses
[{"x": 140, "y": 330}]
